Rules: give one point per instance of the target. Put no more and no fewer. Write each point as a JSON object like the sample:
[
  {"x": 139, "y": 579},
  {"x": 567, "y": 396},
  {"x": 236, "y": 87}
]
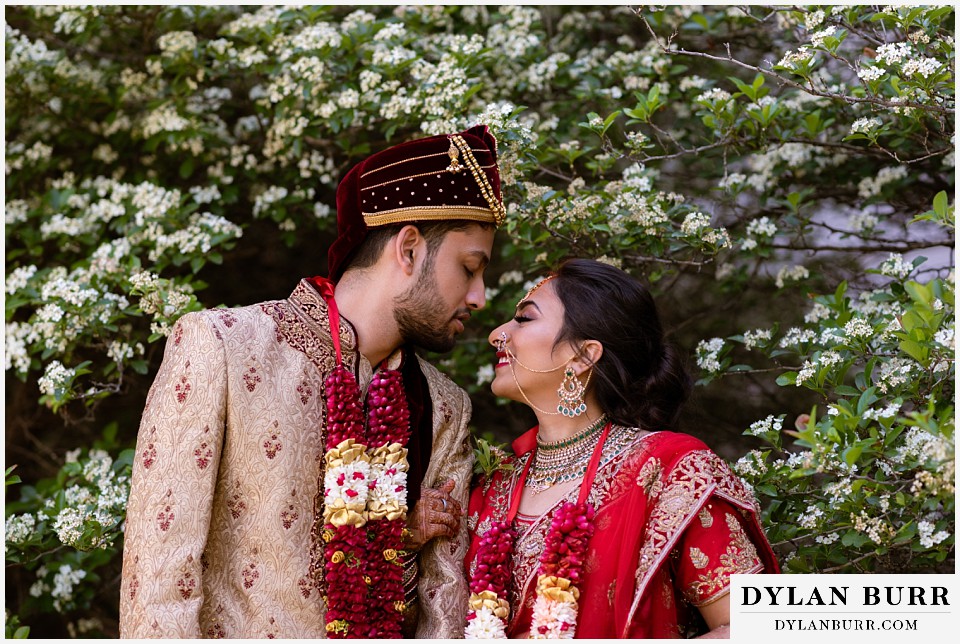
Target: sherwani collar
[{"x": 310, "y": 303}]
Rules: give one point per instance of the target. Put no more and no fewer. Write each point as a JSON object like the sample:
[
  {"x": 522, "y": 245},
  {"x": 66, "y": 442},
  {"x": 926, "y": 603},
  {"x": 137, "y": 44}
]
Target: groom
[{"x": 243, "y": 518}]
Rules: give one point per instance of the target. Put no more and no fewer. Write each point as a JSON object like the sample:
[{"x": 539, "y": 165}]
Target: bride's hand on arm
[{"x": 436, "y": 514}]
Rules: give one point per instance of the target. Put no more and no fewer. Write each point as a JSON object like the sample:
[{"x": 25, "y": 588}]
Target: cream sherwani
[{"x": 225, "y": 480}]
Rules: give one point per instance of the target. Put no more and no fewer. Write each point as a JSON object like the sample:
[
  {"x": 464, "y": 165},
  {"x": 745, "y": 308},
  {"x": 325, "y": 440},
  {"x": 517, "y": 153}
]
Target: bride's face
[{"x": 529, "y": 347}]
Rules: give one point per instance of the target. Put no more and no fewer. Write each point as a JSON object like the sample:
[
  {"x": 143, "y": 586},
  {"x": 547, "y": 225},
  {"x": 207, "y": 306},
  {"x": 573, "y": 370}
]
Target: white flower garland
[
  {"x": 485, "y": 626},
  {"x": 558, "y": 619}
]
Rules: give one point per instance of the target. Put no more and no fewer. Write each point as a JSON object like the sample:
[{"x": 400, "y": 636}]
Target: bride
[{"x": 608, "y": 524}]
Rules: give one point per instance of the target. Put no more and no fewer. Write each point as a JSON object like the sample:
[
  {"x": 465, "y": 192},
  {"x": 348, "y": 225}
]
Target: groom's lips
[{"x": 461, "y": 319}]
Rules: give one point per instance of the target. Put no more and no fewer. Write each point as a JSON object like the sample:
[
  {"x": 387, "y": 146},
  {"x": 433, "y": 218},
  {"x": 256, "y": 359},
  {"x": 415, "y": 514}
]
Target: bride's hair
[{"x": 640, "y": 380}]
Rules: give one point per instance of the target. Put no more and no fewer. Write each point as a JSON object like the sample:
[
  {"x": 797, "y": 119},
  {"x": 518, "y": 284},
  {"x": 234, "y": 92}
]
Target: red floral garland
[
  {"x": 562, "y": 559},
  {"x": 362, "y": 562},
  {"x": 566, "y": 543},
  {"x": 389, "y": 423}
]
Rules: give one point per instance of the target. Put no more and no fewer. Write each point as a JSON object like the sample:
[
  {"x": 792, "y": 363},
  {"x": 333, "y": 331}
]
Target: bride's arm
[{"x": 717, "y": 616}]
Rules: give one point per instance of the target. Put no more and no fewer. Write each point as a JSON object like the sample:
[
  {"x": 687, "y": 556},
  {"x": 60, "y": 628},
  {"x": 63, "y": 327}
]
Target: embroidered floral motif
[
  {"x": 251, "y": 377},
  {"x": 186, "y": 585},
  {"x": 288, "y": 516},
  {"x": 306, "y": 586},
  {"x": 165, "y": 518},
  {"x": 445, "y": 411},
  {"x": 305, "y": 391},
  {"x": 133, "y": 587},
  {"x": 273, "y": 445},
  {"x": 182, "y": 388},
  {"x": 250, "y": 575},
  {"x": 215, "y": 631},
  {"x": 235, "y": 502},
  {"x": 649, "y": 477},
  {"x": 177, "y": 334},
  {"x": 698, "y": 558},
  {"x": 740, "y": 557},
  {"x": 149, "y": 455},
  {"x": 203, "y": 453},
  {"x": 228, "y": 319},
  {"x": 706, "y": 519}
]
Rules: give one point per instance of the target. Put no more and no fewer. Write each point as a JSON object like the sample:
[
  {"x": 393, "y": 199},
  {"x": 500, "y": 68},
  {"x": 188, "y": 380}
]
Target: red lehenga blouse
[{"x": 673, "y": 523}]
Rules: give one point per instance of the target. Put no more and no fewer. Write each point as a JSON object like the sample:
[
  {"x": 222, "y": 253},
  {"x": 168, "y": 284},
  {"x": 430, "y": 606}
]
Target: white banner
[{"x": 843, "y": 608}]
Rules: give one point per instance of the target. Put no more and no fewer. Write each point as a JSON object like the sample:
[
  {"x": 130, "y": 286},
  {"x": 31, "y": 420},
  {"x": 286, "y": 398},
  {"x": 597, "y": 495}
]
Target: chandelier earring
[{"x": 571, "y": 392}]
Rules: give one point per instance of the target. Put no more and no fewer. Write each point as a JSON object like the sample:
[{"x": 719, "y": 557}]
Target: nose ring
[{"x": 502, "y": 340}]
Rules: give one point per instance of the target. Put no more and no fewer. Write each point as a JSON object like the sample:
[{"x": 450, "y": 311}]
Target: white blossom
[
  {"x": 791, "y": 273},
  {"x": 895, "y": 266},
  {"x": 865, "y": 125},
  {"x": 708, "y": 352}
]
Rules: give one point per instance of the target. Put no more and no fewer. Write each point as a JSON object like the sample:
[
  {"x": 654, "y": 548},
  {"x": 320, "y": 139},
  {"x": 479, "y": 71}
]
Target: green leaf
[
  {"x": 940, "y": 203},
  {"x": 854, "y": 538},
  {"x": 789, "y": 378},
  {"x": 186, "y": 168},
  {"x": 915, "y": 350}
]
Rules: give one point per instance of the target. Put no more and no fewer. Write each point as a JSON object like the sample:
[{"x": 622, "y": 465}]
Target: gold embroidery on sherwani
[
  {"x": 740, "y": 557},
  {"x": 303, "y": 323},
  {"x": 706, "y": 519},
  {"x": 228, "y": 493}
]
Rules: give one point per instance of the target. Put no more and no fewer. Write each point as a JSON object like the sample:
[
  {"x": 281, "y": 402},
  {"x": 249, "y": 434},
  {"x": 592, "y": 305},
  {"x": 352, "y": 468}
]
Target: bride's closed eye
[{"x": 520, "y": 319}]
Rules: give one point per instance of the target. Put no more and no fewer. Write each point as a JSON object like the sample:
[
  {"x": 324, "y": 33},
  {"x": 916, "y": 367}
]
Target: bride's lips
[{"x": 502, "y": 359}]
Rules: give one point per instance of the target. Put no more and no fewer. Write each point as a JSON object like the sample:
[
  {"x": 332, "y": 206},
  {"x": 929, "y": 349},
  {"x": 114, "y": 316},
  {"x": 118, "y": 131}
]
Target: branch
[
  {"x": 861, "y": 150},
  {"x": 875, "y": 248},
  {"x": 783, "y": 80},
  {"x": 661, "y": 260},
  {"x": 853, "y": 562}
]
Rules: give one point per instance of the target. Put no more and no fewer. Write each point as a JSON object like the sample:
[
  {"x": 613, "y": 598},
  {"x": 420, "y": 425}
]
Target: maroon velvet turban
[{"x": 441, "y": 178}]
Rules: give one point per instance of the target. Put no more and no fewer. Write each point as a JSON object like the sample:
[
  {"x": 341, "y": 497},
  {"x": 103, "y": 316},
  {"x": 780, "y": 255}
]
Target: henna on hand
[{"x": 436, "y": 514}]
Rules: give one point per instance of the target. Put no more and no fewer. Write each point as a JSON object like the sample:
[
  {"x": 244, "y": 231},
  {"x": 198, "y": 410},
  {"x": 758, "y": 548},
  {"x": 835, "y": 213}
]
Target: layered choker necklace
[
  {"x": 564, "y": 460},
  {"x": 562, "y": 562}
]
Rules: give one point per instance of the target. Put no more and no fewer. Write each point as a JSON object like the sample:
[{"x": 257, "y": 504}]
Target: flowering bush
[{"x": 782, "y": 177}]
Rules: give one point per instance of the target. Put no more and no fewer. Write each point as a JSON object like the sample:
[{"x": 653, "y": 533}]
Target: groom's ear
[
  {"x": 408, "y": 249},
  {"x": 587, "y": 357}
]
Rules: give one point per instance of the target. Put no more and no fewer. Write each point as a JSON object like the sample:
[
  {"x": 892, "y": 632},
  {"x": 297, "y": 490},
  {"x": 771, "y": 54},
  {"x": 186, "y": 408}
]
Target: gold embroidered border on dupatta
[{"x": 682, "y": 495}]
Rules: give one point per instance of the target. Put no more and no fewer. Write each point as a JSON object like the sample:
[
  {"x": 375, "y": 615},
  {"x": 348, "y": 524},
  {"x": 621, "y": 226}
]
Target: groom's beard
[{"x": 418, "y": 320}]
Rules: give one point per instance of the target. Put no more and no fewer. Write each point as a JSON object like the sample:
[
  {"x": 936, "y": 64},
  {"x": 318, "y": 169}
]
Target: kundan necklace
[
  {"x": 365, "y": 497},
  {"x": 564, "y": 460},
  {"x": 559, "y": 574}
]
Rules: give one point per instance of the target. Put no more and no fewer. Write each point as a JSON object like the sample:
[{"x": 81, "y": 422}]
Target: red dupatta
[{"x": 654, "y": 500}]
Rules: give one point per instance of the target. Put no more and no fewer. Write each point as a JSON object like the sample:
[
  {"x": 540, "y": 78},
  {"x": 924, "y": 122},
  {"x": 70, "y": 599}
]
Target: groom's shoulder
[{"x": 440, "y": 383}]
